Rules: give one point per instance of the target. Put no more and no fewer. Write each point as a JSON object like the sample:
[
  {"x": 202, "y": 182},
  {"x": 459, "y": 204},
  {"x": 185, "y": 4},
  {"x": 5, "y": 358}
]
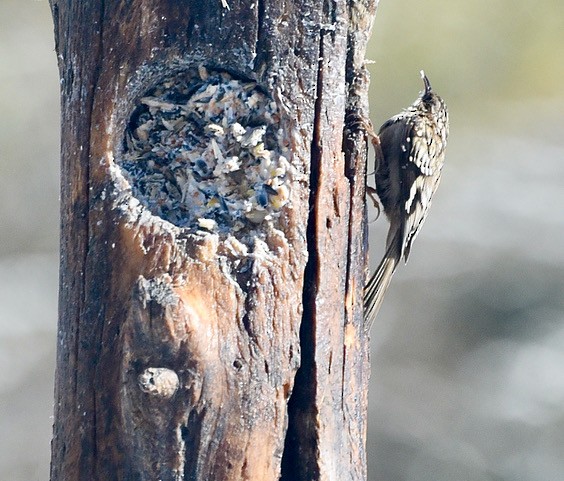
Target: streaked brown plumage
[{"x": 410, "y": 151}]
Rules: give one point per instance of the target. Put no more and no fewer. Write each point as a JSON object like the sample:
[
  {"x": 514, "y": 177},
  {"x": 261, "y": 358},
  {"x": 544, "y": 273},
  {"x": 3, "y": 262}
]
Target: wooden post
[{"x": 213, "y": 240}]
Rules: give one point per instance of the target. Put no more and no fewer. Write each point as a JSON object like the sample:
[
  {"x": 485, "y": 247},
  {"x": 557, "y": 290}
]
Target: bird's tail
[{"x": 378, "y": 284}]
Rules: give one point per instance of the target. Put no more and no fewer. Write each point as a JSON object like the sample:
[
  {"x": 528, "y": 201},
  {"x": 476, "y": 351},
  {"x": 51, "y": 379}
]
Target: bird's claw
[{"x": 371, "y": 192}]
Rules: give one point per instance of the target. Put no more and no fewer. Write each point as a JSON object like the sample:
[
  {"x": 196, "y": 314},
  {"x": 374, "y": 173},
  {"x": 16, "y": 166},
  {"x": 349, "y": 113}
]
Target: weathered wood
[{"x": 179, "y": 347}]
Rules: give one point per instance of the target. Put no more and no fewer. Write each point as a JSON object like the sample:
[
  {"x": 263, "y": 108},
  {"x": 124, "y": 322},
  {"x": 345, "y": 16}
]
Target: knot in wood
[{"x": 159, "y": 381}]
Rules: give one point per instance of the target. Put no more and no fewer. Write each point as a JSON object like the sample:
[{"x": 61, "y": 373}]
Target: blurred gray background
[{"x": 468, "y": 352}]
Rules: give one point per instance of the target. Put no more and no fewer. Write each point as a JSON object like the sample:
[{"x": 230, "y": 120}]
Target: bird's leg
[
  {"x": 360, "y": 120},
  {"x": 371, "y": 192}
]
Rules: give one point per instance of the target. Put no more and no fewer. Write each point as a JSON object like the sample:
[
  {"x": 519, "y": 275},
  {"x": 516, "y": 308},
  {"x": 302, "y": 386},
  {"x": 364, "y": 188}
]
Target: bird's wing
[{"x": 422, "y": 174}]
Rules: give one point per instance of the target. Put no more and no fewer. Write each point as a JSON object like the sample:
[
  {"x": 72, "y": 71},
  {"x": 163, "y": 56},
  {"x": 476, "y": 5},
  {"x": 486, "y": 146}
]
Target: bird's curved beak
[{"x": 426, "y": 83}]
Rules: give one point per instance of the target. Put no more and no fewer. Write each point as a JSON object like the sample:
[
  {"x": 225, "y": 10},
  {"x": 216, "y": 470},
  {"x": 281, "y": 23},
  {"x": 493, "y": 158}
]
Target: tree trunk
[{"x": 213, "y": 240}]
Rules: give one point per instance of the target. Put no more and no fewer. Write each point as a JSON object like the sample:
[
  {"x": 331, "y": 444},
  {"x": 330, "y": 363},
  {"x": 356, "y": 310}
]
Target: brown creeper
[{"x": 410, "y": 151}]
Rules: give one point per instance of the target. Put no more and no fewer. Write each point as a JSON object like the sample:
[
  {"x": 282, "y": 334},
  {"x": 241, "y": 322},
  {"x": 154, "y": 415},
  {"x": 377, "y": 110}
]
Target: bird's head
[{"x": 432, "y": 103}]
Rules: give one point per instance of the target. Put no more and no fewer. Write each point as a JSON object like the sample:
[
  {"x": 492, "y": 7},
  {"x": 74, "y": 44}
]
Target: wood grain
[{"x": 178, "y": 356}]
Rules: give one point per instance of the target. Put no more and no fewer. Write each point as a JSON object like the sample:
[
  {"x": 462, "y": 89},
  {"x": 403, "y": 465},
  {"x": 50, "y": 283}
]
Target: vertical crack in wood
[
  {"x": 300, "y": 457},
  {"x": 191, "y": 437},
  {"x": 98, "y": 342}
]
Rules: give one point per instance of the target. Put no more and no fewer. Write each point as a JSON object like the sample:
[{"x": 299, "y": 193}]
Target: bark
[{"x": 210, "y": 353}]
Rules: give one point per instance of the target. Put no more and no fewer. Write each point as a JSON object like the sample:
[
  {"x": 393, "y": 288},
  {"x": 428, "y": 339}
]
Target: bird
[{"x": 410, "y": 153}]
